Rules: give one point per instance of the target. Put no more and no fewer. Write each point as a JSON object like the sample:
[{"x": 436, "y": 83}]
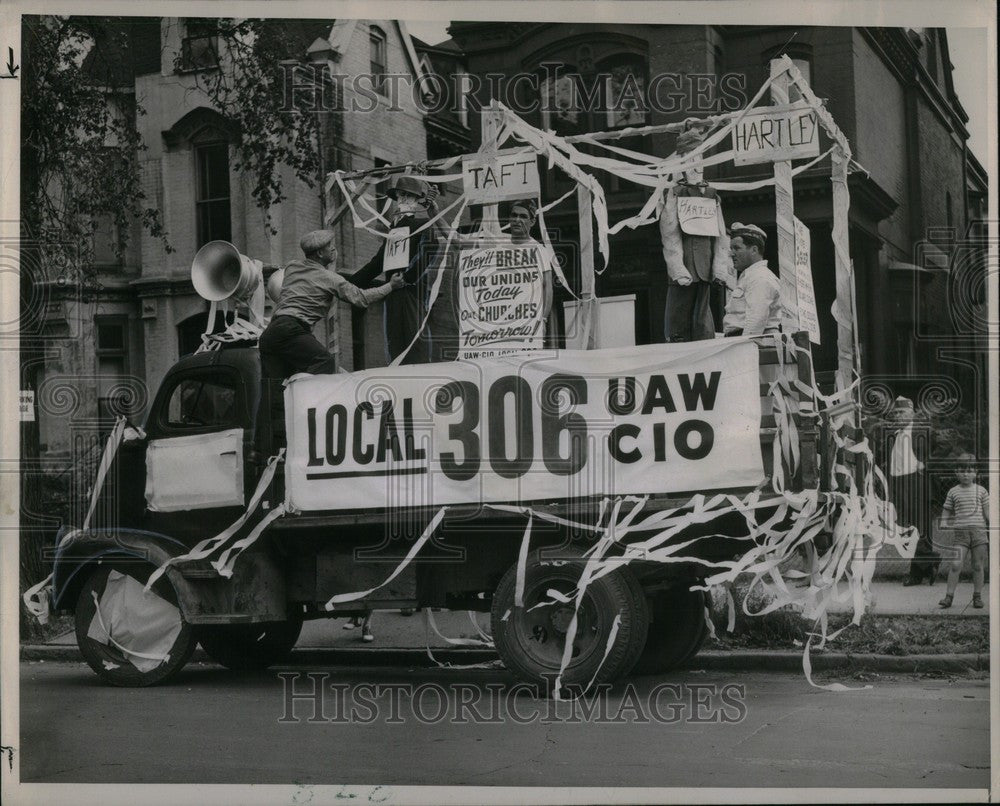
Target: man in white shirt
[{"x": 754, "y": 307}]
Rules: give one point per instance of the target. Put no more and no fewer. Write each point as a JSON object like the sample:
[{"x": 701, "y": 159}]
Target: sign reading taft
[
  {"x": 665, "y": 418},
  {"x": 500, "y": 301},
  {"x": 765, "y": 135},
  {"x": 513, "y": 174}
]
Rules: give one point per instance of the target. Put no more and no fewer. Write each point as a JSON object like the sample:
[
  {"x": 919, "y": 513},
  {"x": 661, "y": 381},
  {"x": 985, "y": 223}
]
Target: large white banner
[
  {"x": 668, "y": 418},
  {"x": 501, "y": 300}
]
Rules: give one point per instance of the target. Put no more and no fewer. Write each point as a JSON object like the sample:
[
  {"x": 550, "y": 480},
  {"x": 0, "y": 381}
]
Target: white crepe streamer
[
  {"x": 208, "y": 546},
  {"x": 419, "y": 544}
]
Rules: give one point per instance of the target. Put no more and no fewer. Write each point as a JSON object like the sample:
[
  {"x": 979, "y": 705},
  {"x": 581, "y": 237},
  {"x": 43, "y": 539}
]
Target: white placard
[
  {"x": 764, "y": 135},
  {"x": 808, "y": 318},
  {"x": 397, "y": 249},
  {"x": 26, "y": 405},
  {"x": 513, "y": 174},
  {"x": 659, "y": 418},
  {"x": 501, "y": 301},
  {"x": 698, "y": 215}
]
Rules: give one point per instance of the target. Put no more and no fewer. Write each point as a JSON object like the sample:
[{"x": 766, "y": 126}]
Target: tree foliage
[
  {"x": 81, "y": 149},
  {"x": 249, "y": 89}
]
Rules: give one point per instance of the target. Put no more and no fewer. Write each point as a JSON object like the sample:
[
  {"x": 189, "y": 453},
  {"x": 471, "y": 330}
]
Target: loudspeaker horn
[{"x": 219, "y": 272}]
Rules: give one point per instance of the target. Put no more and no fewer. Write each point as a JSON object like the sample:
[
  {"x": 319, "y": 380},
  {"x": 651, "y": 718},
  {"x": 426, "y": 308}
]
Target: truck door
[{"x": 199, "y": 440}]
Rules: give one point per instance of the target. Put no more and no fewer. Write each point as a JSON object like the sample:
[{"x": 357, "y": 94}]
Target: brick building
[{"x": 890, "y": 91}]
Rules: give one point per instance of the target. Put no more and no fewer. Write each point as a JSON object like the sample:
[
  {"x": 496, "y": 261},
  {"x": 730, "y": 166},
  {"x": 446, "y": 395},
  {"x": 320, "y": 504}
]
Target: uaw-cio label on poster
[
  {"x": 663, "y": 418},
  {"x": 501, "y": 296}
]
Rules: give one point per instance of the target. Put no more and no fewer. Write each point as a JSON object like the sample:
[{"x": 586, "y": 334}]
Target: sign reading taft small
[
  {"x": 664, "y": 418},
  {"x": 500, "y": 301},
  {"x": 513, "y": 174},
  {"x": 765, "y": 135}
]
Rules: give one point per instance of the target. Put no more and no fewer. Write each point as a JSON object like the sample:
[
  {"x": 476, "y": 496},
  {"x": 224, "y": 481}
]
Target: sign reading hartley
[
  {"x": 764, "y": 135},
  {"x": 500, "y": 301},
  {"x": 665, "y": 418},
  {"x": 513, "y": 174}
]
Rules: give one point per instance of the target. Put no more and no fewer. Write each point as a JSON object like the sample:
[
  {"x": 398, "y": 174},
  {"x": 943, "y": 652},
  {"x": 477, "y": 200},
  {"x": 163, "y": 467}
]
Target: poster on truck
[{"x": 665, "y": 418}]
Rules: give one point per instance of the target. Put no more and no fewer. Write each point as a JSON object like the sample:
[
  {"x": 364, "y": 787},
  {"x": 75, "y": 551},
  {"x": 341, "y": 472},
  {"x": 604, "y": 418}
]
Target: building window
[
  {"x": 560, "y": 104},
  {"x": 626, "y": 93},
  {"x": 212, "y": 200},
  {"x": 378, "y": 59},
  {"x": 804, "y": 66},
  {"x": 200, "y": 46},
  {"x": 112, "y": 366}
]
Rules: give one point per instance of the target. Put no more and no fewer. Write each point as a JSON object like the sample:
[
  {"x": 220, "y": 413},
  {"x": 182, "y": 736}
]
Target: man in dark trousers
[
  {"x": 309, "y": 288},
  {"x": 411, "y": 257}
]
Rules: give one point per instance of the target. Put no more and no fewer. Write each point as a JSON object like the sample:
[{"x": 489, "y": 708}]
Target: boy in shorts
[{"x": 965, "y": 514}]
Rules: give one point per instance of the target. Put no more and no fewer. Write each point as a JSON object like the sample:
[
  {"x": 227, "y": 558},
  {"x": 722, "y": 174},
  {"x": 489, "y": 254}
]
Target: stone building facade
[{"x": 106, "y": 350}]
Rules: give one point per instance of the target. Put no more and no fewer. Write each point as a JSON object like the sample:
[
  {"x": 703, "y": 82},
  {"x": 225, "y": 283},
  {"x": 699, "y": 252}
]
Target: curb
[{"x": 752, "y": 660}]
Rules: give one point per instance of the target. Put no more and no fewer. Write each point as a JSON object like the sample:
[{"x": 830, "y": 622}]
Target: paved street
[{"x": 213, "y": 726}]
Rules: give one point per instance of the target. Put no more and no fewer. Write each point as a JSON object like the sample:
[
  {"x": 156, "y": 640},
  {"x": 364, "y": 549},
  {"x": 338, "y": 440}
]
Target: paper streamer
[
  {"x": 428, "y": 533},
  {"x": 208, "y": 546}
]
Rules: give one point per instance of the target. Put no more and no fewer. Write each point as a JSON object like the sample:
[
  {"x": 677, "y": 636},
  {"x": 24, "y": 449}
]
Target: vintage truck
[{"x": 191, "y": 471}]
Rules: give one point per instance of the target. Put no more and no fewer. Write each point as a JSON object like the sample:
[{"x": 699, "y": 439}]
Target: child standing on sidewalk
[{"x": 965, "y": 514}]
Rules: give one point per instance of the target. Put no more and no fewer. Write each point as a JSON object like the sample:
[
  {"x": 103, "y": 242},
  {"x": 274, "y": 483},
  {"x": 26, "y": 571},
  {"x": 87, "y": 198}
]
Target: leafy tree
[
  {"x": 80, "y": 145},
  {"x": 249, "y": 89}
]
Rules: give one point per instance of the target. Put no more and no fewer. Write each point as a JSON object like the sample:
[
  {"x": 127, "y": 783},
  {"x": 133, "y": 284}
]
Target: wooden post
[
  {"x": 587, "y": 315},
  {"x": 843, "y": 307},
  {"x": 491, "y": 124},
  {"x": 784, "y": 210}
]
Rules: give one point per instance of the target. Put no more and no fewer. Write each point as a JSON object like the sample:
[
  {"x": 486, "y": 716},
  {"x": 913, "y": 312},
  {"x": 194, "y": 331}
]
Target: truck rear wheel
[
  {"x": 243, "y": 647},
  {"x": 127, "y": 636},
  {"x": 531, "y": 639},
  {"x": 677, "y": 631}
]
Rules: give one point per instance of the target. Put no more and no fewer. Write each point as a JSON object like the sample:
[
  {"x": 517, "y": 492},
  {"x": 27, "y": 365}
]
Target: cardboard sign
[
  {"x": 808, "y": 319},
  {"x": 658, "y": 418},
  {"x": 501, "y": 296},
  {"x": 26, "y": 405},
  {"x": 397, "y": 250},
  {"x": 512, "y": 175},
  {"x": 767, "y": 136},
  {"x": 698, "y": 215}
]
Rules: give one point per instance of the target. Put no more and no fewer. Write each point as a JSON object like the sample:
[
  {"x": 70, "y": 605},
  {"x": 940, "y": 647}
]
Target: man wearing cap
[
  {"x": 408, "y": 256},
  {"x": 754, "y": 307},
  {"x": 309, "y": 287}
]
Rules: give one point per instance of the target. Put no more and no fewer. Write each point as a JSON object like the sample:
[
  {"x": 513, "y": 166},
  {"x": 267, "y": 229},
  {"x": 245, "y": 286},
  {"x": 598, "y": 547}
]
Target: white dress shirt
[{"x": 755, "y": 305}]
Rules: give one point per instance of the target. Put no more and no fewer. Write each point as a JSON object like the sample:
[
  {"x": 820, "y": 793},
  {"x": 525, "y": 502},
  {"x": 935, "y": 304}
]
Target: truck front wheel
[
  {"x": 677, "y": 631},
  {"x": 128, "y": 636},
  {"x": 243, "y": 647},
  {"x": 531, "y": 639}
]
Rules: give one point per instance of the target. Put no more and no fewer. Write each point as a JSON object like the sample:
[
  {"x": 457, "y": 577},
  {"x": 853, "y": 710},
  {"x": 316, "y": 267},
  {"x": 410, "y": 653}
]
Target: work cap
[
  {"x": 313, "y": 241},
  {"x": 750, "y": 233},
  {"x": 408, "y": 184}
]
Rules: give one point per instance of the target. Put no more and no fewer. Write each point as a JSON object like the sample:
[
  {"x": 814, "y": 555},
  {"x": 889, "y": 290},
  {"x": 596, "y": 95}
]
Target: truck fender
[{"x": 83, "y": 551}]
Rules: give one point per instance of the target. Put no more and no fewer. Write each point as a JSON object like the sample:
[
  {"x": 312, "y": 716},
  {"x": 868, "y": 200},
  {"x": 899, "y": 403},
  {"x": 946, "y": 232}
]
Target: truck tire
[
  {"x": 677, "y": 630},
  {"x": 116, "y": 665},
  {"x": 243, "y": 647},
  {"x": 531, "y": 641}
]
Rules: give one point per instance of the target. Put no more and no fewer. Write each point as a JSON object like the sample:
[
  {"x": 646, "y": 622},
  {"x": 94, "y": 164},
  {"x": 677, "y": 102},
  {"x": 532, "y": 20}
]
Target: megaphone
[
  {"x": 274, "y": 283},
  {"x": 219, "y": 272}
]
